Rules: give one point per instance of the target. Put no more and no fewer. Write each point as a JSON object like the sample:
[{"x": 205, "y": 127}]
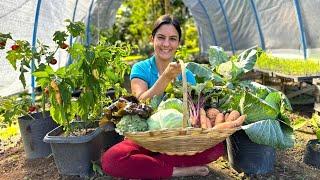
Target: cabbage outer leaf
[{"x": 269, "y": 132}]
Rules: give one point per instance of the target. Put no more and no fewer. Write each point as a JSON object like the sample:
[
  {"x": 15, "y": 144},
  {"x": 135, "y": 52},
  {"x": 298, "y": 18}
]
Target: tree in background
[{"x": 135, "y": 18}]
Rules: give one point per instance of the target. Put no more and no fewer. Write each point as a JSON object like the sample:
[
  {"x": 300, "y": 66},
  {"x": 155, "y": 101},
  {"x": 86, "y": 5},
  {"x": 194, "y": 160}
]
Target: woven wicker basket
[{"x": 180, "y": 141}]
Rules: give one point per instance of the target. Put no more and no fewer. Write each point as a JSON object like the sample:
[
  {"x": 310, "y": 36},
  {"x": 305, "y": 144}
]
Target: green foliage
[
  {"x": 297, "y": 67},
  {"x": 256, "y": 109},
  {"x": 13, "y": 107},
  {"x": 41, "y": 57},
  {"x": 191, "y": 40},
  {"x": 185, "y": 54},
  {"x": 134, "y": 23},
  {"x": 314, "y": 122},
  {"x": 8, "y": 131},
  {"x": 95, "y": 69},
  {"x": 265, "y": 116},
  {"x": 265, "y": 108},
  {"x": 9, "y": 135}
]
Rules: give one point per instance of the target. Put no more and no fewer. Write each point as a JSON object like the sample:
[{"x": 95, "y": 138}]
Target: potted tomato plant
[
  {"x": 96, "y": 68},
  {"x": 34, "y": 121}
]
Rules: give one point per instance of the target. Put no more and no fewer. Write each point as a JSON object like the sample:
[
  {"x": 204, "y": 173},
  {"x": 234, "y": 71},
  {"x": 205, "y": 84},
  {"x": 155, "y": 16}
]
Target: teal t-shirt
[{"x": 147, "y": 71}]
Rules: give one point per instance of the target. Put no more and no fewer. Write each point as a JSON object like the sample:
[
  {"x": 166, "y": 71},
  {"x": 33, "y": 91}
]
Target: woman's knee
[
  {"x": 107, "y": 160},
  {"x": 115, "y": 158}
]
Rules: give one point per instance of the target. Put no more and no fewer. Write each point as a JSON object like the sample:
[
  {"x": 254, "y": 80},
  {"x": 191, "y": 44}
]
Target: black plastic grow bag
[
  {"x": 312, "y": 153},
  {"x": 249, "y": 157}
]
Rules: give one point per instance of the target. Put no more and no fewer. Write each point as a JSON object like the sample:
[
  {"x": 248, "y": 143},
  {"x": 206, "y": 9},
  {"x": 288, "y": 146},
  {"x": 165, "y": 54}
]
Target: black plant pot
[
  {"x": 73, "y": 154},
  {"x": 312, "y": 153},
  {"x": 249, "y": 157},
  {"x": 32, "y": 132}
]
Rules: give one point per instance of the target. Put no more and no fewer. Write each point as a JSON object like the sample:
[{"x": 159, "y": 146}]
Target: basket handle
[{"x": 185, "y": 95}]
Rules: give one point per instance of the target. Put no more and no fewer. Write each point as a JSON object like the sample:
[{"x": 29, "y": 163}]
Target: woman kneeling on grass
[{"x": 149, "y": 78}]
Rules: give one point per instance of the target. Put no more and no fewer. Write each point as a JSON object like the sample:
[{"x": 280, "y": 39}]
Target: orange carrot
[
  {"x": 232, "y": 116},
  {"x": 212, "y": 113},
  {"x": 193, "y": 121},
  {"x": 219, "y": 119},
  {"x": 209, "y": 125},
  {"x": 203, "y": 118}
]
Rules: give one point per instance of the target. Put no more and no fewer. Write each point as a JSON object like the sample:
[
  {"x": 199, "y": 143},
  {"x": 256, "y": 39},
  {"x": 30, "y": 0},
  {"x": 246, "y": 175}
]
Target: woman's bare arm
[{"x": 140, "y": 89}]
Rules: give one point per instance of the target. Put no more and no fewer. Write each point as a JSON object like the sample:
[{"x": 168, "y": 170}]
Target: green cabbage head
[
  {"x": 167, "y": 118},
  {"x": 171, "y": 103}
]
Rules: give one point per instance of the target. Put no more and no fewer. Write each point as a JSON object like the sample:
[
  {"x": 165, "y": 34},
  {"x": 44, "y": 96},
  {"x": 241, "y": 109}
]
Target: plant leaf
[
  {"x": 274, "y": 100},
  {"x": 155, "y": 101},
  {"x": 217, "y": 56},
  {"x": 247, "y": 59},
  {"x": 269, "y": 132},
  {"x": 299, "y": 123},
  {"x": 258, "y": 89},
  {"x": 200, "y": 70},
  {"x": 256, "y": 109}
]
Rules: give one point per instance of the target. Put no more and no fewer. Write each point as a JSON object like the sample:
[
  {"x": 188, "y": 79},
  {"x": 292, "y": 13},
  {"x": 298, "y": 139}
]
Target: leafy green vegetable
[
  {"x": 217, "y": 56},
  {"x": 171, "y": 103},
  {"x": 131, "y": 123},
  {"x": 256, "y": 109},
  {"x": 265, "y": 123},
  {"x": 266, "y": 108},
  {"x": 203, "y": 73},
  {"x": 167, "y": 118},
  {"x": 271, "y": 133}
]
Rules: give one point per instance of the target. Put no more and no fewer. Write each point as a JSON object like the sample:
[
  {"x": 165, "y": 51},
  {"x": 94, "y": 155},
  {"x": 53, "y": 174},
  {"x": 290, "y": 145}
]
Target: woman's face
[{"x": 166, "y": 42}]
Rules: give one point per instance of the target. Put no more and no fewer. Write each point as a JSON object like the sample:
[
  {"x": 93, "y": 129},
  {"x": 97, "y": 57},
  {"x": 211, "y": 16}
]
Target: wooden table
[{"x": 305, "y": 83}]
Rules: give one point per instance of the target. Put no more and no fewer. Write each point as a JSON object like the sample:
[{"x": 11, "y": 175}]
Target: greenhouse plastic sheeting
[
  {"x": 272, "y": 24},
  {"x": 283, "y": 27},
  {"x": 18, "y": 18}
]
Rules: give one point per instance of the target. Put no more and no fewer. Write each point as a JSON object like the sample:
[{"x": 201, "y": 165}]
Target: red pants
[{"x": 129, "y": 160}]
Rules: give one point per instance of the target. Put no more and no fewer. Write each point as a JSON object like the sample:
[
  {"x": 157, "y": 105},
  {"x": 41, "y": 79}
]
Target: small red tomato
[
  {"x": 64, "y": 46},
  {"x": 53, "y": 61},
  {"x": 32, "y": 108},
  {"x": 2, "y": 43},
  {"x": 15, "y": 47}
]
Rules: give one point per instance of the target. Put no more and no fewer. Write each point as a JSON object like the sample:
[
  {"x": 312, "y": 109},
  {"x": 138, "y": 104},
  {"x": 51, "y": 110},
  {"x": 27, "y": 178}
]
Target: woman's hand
[{"x": 172, "y": 70}]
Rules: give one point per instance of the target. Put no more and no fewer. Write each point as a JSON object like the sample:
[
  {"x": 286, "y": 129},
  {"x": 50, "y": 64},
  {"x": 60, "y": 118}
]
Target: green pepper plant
[{"x": 95, "y": 69}]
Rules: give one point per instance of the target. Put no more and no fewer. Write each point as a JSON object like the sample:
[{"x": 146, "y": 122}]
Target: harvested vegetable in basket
[
  {"x": 131, "y": 123},
  {"x": 126, "y": 105}
]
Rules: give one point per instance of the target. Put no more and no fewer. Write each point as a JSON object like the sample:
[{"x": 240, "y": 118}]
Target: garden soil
[{"x": 289, "y": 165}]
